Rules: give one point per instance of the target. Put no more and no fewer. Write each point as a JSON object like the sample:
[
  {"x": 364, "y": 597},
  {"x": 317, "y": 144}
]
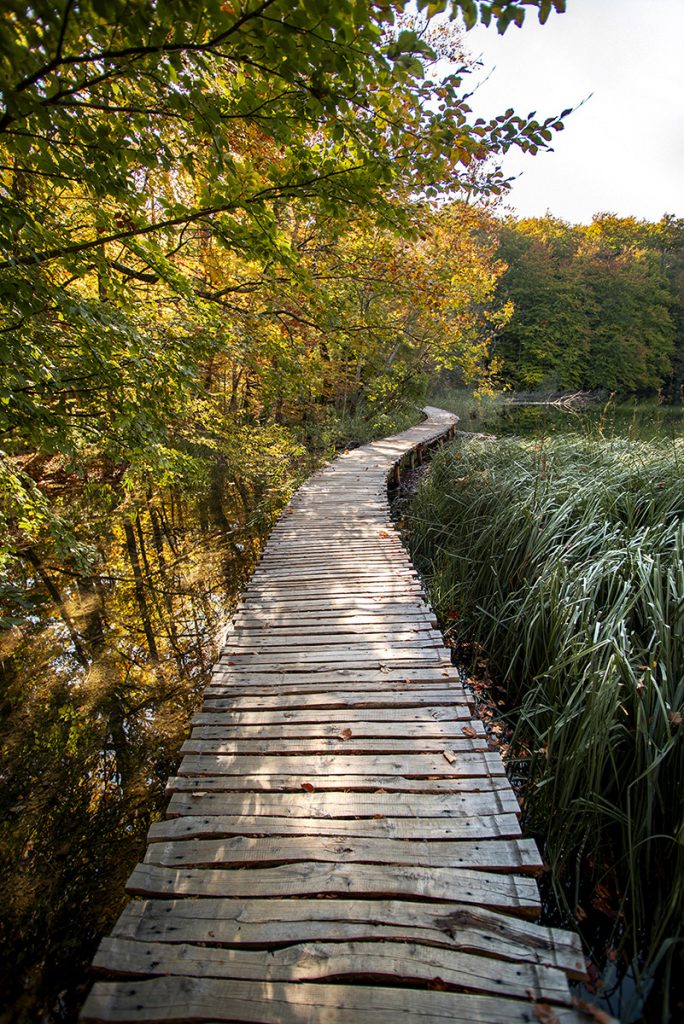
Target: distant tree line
[{"x": 594, "y": 306}]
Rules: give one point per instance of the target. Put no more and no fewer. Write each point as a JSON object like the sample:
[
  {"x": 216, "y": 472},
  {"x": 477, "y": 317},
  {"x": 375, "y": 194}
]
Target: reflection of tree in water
[{"x": 100, "y": 669}]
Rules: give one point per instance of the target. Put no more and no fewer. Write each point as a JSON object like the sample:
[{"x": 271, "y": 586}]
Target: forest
[{"x": 236, "y": 238}]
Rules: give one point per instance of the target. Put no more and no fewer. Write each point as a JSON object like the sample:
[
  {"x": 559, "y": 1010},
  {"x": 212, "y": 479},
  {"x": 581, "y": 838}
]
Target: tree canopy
[
  {"x": 169, "y": 176},
  {"x": 595, "y": 306}
]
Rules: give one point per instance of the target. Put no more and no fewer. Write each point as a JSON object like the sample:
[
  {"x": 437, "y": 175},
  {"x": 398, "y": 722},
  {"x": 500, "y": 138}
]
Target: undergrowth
[{"x": 562, "y": 562}]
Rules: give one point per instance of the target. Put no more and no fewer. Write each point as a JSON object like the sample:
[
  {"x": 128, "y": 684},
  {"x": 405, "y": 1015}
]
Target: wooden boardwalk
[{"x": 341, "y": 844}]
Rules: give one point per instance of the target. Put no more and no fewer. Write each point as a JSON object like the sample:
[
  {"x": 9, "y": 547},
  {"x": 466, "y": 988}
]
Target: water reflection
[
  {"x": 100, "y": 668},
  {"x": 640, "y": 420}
]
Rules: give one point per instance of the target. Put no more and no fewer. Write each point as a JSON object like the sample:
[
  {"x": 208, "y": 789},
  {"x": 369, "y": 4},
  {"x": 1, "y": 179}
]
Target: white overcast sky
[{"x": 623, "y": 151}]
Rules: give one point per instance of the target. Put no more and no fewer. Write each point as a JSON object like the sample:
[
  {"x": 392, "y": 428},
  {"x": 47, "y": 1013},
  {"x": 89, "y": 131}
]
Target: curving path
[{"x": 341, "y": 845}]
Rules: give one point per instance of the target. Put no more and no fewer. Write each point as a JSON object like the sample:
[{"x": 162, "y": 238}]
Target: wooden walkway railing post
[{"x": 341, "y": 844}]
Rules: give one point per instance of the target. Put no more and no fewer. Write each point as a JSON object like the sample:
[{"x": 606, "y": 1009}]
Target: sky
[{"x": 623, "y": 150}]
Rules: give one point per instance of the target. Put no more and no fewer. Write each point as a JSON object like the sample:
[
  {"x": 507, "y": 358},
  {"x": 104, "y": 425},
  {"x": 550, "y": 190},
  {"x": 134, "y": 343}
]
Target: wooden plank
[
  {"x": 478, "y": 764},
  {"x": 245, "y": 685},
  {"x": 398, "y": 572},
  {"x": 371, "y": 561},
  {"x": 336, "y": 627},
  {"x": 324, "y": 589},
  {"x": 320, "y": 961},
  {"x": 357, "y": 607},
  {"x": 386, "y": 827},
  {"x": 339, "y": 675},
  {"x": 506, "y": 855},
  {"x": 340, "y": 805},
  {"x": 270, "y": 923},
  {"x": 220, "y": 726},
  {"x": 334, "y": 649},
  {"x": 507, "y": 893},
  {"x": 182, "y": 999},
  {"x": 363, "y": 656},
  {"x": 344, "y": 699},
  {"x": 331, "y": 745},
  {"x": 280, "y": 782},
  {"x": 325, "y": 602},
  {"x": 335, "y": 718},
  {"x": 398, "y": 638}
]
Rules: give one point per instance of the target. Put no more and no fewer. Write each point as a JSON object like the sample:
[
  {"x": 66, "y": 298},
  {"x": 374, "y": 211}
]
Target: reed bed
[{"x": 562, "y": 561}]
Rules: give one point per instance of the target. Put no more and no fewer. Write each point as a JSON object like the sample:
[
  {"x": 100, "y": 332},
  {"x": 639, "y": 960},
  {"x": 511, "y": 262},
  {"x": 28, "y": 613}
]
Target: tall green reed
[{"x": 564, "y": 560}]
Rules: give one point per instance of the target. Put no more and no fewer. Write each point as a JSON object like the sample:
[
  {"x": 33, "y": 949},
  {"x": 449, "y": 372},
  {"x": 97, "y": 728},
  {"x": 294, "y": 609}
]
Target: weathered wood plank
[
  {"x": 451, "y": 925},
  {"x": 337, "y": 627},
  {"x": 320, "y": 961},
  {"x": 365, "y": 657},
  {"x": 396, "y": 783},
  {"x": 219, "y": 826},
  {"x": 339, "y": 675},
  {"x": 183, "y": 999},
  {"x": 335, "y": 718},
  {"x": 507, "y": 855},
  {"x": 336, "y": 745},
  {"x": 512, "y": 894},
  {"x": 220, "y": 726},
  {"x": 301, "y": 683},
  {"x": 344, "y": 699},
  {"x": 339, "y": 805},
  {"x": 273, "y": 642},
  {"x": 478, "y": 764}
]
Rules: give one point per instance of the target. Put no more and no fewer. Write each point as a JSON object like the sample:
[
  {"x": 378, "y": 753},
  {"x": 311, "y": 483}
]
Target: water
[
  {"x": 640, "y": 420},
  {"x": 100, "y": 670}
]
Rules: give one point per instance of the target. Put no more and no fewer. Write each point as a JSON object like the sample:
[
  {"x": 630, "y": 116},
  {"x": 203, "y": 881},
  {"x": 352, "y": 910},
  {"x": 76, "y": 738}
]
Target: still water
[
  {"x": 640, "y": 420},
  {"x": 102, "y": 662}
]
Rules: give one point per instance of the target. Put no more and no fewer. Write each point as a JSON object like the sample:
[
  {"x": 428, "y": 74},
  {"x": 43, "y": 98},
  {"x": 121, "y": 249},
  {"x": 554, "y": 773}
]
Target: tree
[
  {"x": 592, "y": 305},
  {"x": 143, "y": 143}
]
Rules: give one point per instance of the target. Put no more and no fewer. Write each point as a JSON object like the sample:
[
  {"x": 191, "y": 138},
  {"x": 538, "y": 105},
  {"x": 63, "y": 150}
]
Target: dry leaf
[
  {"x": 544, "y": 1013},
  {"x": 346, "y": 734},
  {"x": 468, "y": 730},
  {"x": 450, "y": 756},
  {"x": 383, "y": 533},
  {"x": 308, "y": 787},
  {"x": 592, "y": 1011}
]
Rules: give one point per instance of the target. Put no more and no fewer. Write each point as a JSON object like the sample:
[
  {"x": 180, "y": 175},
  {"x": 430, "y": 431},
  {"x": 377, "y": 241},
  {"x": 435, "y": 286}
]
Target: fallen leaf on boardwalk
[
  {"x": 308, "y": 787},
  {"x": 437, "y": 985},
  {"x": 383, "y": 533},
  {"x": 378, "y": 817},
  {"x": 545, "y": 1014},
  {"x": 450, "y": 756},
  {"x": 592, "y": 1011},
  {"x": 468, "y": 730},
  {"x": 346, "y": 734}
]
